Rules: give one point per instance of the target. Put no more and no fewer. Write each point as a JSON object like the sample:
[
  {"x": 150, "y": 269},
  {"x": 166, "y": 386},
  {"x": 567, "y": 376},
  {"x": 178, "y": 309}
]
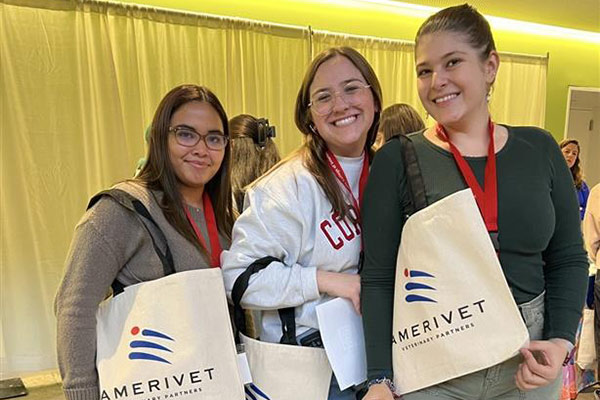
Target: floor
[
  {"x": 53, "y": 392},
  {"x": 46, "y": 386},
  {"x": 50, "y": 392}
]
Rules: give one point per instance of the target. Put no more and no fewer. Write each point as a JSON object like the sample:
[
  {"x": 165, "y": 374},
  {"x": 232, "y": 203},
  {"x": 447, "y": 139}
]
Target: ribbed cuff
[
  {"x": 92, "y": 393},
  {"x": 310, "y": 289}
]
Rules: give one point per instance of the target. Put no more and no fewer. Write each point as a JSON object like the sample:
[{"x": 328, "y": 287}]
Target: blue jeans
[
  {"x": 334, "y": 388},
  {"x": 497, "y": 382},
  {"x": 336, "y": 394}
]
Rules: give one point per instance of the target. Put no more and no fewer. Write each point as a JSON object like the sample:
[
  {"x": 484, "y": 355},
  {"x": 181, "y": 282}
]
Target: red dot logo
[
  {"x": 135, "y": 330},
  {"x": 406, "y": 272}
]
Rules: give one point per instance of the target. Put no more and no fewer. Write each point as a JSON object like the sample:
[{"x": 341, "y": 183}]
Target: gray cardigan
[{"x": 109, "y": 242}]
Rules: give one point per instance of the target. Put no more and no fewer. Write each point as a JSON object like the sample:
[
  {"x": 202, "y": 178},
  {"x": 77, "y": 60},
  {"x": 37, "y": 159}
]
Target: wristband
[{"x": 387, "y": 382}]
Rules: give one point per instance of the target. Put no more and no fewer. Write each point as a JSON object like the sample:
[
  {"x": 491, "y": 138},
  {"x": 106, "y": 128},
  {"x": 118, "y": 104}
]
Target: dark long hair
[
  {"x": 464, "y": 19},
  {"x": 158, "y": 173},
  {"x": 576, "y": 169},
  {"x": 248, "y": 159},
  {"x": 314, "y": 147}
]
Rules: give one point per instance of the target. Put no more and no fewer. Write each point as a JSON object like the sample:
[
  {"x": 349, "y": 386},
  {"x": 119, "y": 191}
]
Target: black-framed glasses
[
  {"x": 188, "y": 137},
  {"x": 322, "y": 102}
]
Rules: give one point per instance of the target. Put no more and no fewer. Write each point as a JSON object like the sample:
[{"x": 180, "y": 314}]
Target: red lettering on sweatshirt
[{"x": 341, "y": 230}]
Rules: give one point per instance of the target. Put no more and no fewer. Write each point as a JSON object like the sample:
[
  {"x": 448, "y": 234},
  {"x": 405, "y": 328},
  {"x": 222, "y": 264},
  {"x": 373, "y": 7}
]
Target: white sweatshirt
[
  {"x": 591, "y": 225},
  {"x": 287, "y": 216}
]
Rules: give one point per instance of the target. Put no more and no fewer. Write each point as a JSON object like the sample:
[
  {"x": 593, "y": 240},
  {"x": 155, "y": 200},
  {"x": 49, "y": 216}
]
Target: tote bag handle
[
  {"x": 133, "y": 204},
  {"x": 287, "y": 315}
]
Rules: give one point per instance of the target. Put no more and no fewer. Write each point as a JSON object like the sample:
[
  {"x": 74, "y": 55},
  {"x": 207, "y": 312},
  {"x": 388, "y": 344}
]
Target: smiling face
[
  {"x": 570, "y": 152},
  {"x": 452, "y": 80},
  {"x": 344, "y": 129},
  {"x": 195, "y": 166}
]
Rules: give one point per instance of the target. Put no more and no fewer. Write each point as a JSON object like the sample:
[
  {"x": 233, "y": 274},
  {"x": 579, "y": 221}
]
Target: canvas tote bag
[
  {"x": 286, "y": 372},
  {"x": 168, "y": 337},
  {"x": 585, "y": 357},
  {"x": 453, "y": 310},
  {"x": 281, "y": 371}
]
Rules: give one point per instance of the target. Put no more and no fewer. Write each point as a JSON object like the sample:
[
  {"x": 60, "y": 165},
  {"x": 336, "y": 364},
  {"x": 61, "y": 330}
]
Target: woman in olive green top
[{"x": 538, "y": 230}]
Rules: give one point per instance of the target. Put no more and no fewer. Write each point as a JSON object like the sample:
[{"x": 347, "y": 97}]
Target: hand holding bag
[{"x": 453, "y": 310}]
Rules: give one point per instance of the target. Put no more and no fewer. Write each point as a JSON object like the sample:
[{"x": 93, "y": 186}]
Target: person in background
[
  {"x": 185, "y": 185},
  {"x": 305, "y": 212},
  {"x": 398, "y": 119},
  {"x": 142, "y": 161},
  {"x": 539, "y": 240},
  {"x": 253, "y": 153},
  {"x": 591, "y": 225},
  {"x": 591, "y": 238},
  {"x": 570, "y": 149}
]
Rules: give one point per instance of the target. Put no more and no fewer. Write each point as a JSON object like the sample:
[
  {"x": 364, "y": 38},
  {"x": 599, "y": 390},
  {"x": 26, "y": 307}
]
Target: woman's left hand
[{"x": 542, "y": 363}]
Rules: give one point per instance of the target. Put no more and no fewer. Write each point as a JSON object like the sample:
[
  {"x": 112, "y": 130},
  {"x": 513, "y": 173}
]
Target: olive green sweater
[{"x": 541, "y": 247}]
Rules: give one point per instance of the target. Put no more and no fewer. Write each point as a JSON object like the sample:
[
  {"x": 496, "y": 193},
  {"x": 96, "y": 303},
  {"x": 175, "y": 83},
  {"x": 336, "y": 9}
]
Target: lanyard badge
[
  {"x": 486, "y": 197},
  {"x": 213, "y": 234}
]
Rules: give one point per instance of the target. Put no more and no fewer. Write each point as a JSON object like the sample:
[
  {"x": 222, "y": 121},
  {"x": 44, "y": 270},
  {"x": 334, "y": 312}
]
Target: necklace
[{"x": 197, "y": 210}]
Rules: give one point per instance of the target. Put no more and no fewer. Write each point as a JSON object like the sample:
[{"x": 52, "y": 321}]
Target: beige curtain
[
  {"x": 519, "y": 93},
  {"x": 79, "y": 85},
  {"x": 80, "y": 82}
]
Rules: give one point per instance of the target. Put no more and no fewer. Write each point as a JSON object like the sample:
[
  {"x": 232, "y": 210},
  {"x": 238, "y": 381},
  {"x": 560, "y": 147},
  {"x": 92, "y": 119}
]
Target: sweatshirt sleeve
[
  {"x": 93, "y": 262},
  {"x": 270, "y": 227},
  {"x": 383, "y": 206},
  {"x": 566, "y": 266},
  {"x": 591, "y": 225}
]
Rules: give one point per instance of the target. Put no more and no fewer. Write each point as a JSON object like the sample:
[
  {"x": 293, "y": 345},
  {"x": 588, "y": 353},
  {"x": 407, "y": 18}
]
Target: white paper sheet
[
  {"x": 344, "y": 341},
  {"x": 244, "y": 368}
]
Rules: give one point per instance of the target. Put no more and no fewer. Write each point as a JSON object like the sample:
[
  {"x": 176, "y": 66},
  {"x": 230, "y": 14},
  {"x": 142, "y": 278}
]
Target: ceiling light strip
[{"x": 499, "y": 23}]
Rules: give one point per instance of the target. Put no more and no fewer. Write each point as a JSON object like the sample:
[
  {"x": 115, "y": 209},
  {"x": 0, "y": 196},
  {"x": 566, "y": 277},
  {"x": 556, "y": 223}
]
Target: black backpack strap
[
  {"x": 416, "y": 185},
  {"x": 287, "y": 316},
  {"x": 288, "y": 325},
  {"x": 133, "y": 204}
]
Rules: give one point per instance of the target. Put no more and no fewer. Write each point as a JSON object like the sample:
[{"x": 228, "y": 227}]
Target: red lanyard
[
  {"x": 335, "y": 166},
  {"x": 487, "y": 199},
  {"x": 213, "y": 233}
]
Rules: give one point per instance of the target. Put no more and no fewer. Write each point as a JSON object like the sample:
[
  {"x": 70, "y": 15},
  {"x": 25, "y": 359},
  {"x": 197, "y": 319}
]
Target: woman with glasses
[
  {"x": 185, "y": 186},
  {"x": 305, "y": 212}
]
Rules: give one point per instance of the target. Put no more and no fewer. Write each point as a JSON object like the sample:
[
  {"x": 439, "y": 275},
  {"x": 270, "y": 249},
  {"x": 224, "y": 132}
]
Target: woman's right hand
[
  {"x": 379, "y": 391},
  {"x": 338, "y": 284}
]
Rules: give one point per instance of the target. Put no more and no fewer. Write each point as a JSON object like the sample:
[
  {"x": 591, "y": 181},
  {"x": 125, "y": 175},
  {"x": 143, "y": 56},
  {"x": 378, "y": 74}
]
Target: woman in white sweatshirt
[{"x": 305, "y": 212}]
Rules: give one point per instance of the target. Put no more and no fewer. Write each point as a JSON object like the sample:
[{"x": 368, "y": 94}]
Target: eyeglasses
[
  {"x": 323, "y": 101},
  {"x": 189, "y": 138}
]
